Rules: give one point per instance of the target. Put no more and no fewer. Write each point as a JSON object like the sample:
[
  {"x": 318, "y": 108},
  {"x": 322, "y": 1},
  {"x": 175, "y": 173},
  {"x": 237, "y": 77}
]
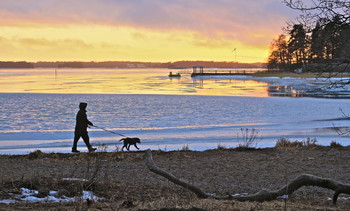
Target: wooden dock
[{"x": 199, "y": 71}]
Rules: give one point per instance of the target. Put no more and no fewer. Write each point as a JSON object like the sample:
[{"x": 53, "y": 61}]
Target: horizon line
[{"x": 17, "y": 61}]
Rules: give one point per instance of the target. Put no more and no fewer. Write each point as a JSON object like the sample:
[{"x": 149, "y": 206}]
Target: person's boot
[
  {"x": 75, "y": 150},
  {"x": 91, "y": 149}
]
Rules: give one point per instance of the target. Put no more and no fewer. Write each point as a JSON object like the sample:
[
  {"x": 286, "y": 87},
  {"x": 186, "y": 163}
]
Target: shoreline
[
  {"x": 214, "y": 145},
  {"x": 285, "y": 144},
  {"x": 282, "y": 74},
  {"x": 304, "y": 75}
]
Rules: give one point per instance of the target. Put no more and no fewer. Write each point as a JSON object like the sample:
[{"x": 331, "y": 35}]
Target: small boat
[{"x": 174, "y": 75}]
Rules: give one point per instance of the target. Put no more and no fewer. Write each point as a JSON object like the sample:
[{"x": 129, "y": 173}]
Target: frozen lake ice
[{"x": 166, "y": 114}]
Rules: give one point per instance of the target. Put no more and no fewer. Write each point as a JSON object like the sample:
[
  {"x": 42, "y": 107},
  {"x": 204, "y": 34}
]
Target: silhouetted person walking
[{"x": 81, "y": 129}]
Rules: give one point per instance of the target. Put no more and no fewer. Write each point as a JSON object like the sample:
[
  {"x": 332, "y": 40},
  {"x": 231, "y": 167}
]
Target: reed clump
[
  {"x": 248, "y": 138},
  {"x": 336, "y": 145},
  {"x": 284, "y": 143},
  {"x": 35, "y": 154}
]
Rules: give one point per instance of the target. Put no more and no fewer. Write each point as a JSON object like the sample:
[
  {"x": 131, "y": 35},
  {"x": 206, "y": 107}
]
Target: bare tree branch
[
  {"x": 152, "y": 167},
  {"x": 315, "y": 10},
  {"x": 342, "y": 131},
  {"x": 263, "y": 195}
]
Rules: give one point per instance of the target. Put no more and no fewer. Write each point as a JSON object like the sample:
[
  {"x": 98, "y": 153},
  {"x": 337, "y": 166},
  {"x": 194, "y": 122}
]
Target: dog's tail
[{"x": 122, "y": 139}]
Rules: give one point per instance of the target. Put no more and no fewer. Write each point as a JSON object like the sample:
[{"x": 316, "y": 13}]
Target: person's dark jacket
[{"x": 82, "y": 122}]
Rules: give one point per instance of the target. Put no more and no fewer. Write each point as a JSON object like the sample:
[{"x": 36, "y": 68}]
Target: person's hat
[{"x": 82, "y": 105}]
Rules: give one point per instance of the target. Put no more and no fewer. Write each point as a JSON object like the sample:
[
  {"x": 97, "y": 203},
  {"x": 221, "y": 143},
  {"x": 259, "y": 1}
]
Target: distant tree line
[
  {"x": 320, "y": 39},
  {"x": 16, "y": 65},
  {"x": 129, "y": 64}
]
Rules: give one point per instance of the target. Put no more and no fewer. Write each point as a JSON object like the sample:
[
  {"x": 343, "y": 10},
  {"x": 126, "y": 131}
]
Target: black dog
[{"x": 130, "y": 141}]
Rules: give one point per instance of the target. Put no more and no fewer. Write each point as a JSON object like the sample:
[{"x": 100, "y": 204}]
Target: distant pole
[{"x": 235, "y": 50}]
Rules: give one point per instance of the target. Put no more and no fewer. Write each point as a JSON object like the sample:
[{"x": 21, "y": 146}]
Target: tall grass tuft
[
  {"x": 334, "y": 144},
  {"x": 220, "y": 147},
  {"x": 248, "y": 138},
  {"x": 185, "y": 148},
  {"x": 35, "y": 155}
]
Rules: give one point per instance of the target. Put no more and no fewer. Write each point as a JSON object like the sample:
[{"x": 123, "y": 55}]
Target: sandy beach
[{"x": 123, "y": 182}]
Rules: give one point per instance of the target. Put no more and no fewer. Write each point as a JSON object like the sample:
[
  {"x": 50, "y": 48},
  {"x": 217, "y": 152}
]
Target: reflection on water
[
  {"x": 156, "y": 81},
  {"x": 284, "y": 91},
  {"x": 315, "y": 91},
  {"x": 123, "y": 81},
  {"x": 230, "y": 87}
]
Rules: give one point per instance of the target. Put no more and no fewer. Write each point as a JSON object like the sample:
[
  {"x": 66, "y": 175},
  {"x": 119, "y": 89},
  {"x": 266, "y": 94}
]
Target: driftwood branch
[
  {"x": 152, "y": 167},
  {"x": 263, "y": 195}
]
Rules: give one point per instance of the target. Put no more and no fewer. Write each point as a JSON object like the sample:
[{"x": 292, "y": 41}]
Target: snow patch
[
  {"x": 75, "y": 179},
  {"x": 341, "y": 198},
  {"x": 29, "y": 196},
  {"x": 283, "y": 197}
]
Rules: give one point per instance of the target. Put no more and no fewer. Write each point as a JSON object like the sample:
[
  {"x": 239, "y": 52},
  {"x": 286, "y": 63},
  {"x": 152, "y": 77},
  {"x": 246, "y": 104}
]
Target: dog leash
[{"x": 108, "y": 130}]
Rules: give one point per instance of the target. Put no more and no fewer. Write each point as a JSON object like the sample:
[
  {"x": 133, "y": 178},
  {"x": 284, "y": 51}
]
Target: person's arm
[{"x": 89, "y": 123}]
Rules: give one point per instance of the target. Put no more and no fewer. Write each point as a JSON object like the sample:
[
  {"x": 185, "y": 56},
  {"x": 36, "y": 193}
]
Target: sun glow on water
[{"x": 123, "y": 81}]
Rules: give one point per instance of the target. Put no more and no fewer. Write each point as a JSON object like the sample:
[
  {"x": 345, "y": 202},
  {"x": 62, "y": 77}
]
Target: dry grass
[
  {"x": 284, "y": 143},
  {"x": 125, "y": 184}
]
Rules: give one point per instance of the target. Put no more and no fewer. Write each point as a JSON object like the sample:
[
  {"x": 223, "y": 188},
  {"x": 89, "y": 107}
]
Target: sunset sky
[{"x": 140, "y": 30}]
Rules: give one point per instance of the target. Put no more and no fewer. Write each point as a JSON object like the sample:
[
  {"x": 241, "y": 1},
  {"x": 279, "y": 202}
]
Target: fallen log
[{"x": 263, "y": 195}]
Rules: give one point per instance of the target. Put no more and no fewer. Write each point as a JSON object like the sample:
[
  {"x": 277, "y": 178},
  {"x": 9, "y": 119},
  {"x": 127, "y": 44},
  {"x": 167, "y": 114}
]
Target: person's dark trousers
[{"x": 85, "y": 138}]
